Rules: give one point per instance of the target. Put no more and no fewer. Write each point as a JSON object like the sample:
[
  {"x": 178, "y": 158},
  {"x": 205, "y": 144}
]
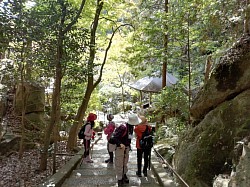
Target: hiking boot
[
  {"x": 145, "y": 173},
  {"x": 88, "y": 160},
  {"x": 107, "y": 161},
  {"x": 125, "y": 179},
  {"x": 120, "y": 182},
  {"x": 110, "y": 162},
  {"x": 138, "y": 174}
]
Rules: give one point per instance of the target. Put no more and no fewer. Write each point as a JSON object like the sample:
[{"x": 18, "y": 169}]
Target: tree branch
[
  {"x": 107, "y": 49},
  {"x": 75, "y": 19}
]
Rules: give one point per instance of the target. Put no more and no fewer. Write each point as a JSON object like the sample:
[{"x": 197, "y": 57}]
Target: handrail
[{"x": 170, "y": 167}]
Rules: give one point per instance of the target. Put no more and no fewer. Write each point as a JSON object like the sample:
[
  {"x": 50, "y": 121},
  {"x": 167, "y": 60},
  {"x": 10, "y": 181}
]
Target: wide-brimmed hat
[
  {"x": 91, "y": 117},
  {"x": 143, "y": 119},
  {"x": 133, "y": 119}
]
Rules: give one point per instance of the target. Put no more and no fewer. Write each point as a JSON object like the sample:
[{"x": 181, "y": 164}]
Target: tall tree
[
  {"x": 165, "y": 45},
  {"x": 91, "y": 83},
  {"x": 90, "y": 80},
  {"x": 63, "y": 29}
]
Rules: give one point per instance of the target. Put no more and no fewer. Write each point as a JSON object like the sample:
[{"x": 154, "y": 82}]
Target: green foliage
[
  {"x": 30, "y": 35},
  {"x": 176, "y": 125},
  {"x": 160, "y": 133},
  {"x": 172, "y": 101},
  {"x": 202, "y": 27}
]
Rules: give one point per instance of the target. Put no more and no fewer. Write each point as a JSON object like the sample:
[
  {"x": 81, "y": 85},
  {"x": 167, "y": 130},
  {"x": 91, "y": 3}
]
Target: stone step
[
  {"x": 106, "y": 177},
  {"x": 102, "y": 174}
]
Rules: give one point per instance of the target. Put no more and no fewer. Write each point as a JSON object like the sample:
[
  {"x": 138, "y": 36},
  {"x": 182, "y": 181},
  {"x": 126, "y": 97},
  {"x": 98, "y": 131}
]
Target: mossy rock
[{"x": 204, "y": 149}]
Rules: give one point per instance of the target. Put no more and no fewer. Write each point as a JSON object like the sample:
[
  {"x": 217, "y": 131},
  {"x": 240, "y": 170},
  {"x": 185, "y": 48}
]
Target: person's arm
[
  {"x": 136, "y": 130},
  {"x": 130, "y": 129},
  {"x": 106, "y": 130},
  {"x": 117, "y": 135}
]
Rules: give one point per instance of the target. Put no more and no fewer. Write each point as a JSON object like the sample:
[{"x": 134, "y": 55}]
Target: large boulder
[
  {"x": 9, "y": 143},
  {"x": 221, "y": 118},
  {"x": 242, "y": 175},
  {"x": 205, "y": 148},
  {"x": 35, "y": 121},
  {"x": 229, "y": 78},
  {"x": 34, "y": 96},
  {"x": 34, "y": 100}
]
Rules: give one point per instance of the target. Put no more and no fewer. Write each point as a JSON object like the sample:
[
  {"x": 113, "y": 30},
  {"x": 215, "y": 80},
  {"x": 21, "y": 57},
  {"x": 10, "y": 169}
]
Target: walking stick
[
  {"x": 149, "y": 159},
  {"x": 123, "y": 162},
  {"x": 91, "y": 150}
]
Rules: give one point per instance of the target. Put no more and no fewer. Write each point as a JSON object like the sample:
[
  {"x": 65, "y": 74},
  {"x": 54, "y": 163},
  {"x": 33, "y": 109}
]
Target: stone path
[{"x": 101, "y": 174}]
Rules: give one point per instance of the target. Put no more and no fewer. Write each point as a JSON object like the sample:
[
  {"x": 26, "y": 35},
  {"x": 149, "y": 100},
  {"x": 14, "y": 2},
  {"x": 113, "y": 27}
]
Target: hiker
[
  {"x": 139, "y": 129},
  {"x": 108, "y": 131},
  {"x": 89, "y": 133},
  {"x": 122, "y": 138}
]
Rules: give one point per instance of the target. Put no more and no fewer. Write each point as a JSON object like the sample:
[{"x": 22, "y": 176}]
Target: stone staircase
[{"x": 100, "y": 173}]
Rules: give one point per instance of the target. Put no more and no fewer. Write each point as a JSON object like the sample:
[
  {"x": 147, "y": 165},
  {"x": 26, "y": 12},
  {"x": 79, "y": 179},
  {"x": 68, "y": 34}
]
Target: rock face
[
  {"x": 35, "y": 104},
  {"x": 242, "y": 176},
  {"x": 35, "y": 98},
  {"x": 230, "y": 77},
  {"x": 222, "y": 115}
]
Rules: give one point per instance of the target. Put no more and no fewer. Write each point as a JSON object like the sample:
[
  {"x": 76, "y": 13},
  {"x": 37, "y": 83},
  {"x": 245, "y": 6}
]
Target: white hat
[{"x": 133, "y": 119}]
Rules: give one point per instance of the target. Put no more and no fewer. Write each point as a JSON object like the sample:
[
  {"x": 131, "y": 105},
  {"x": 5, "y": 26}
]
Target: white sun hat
[{"x": 133, "y": 119}]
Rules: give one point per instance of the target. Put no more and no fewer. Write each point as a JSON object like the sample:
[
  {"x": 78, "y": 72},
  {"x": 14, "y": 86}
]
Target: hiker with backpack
[
  {"x": 88, "y": 134},
  {"x": 143, "y": 145},
  {"x": 122, "y": 138},
  {"x": 108, "y": 131}
]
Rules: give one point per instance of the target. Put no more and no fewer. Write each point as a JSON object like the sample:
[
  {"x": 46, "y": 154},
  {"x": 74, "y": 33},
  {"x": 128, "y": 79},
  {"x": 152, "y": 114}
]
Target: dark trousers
[
  {"x": 86, "y": 148},
  {"x": 111, "y": 154},
  {"x": 145, "y": 153}
]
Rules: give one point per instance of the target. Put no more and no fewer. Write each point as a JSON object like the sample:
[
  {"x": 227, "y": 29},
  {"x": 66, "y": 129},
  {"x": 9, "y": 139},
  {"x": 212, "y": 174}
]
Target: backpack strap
[{"x": 125, "y": 132}]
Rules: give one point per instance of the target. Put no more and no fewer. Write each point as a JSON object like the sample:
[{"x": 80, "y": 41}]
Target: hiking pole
[
  {"x": 123, "y": 162},
  {"x": 149, "y": 159},
  {"x": 91, "y": 150}
]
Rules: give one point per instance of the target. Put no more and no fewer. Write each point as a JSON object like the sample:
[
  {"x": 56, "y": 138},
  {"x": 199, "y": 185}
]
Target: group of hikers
[{"x": 119, "y": 144}]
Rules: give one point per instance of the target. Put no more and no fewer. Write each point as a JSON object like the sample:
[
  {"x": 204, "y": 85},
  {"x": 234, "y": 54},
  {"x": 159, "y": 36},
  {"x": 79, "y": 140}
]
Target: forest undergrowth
[{"x": 25, "y": 172}]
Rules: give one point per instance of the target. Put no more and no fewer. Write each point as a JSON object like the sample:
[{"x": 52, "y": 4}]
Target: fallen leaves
[{"x": 25, "y": 172}]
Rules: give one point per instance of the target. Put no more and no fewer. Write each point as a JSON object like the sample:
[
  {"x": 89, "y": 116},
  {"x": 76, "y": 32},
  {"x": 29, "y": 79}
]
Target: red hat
[{"x": 91, "y": 117}]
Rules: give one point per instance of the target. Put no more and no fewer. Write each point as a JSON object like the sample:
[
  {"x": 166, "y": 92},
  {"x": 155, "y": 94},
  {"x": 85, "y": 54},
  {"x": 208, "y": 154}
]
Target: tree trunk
[
  {"x": 24, "y": 101},
  {"x": 165, "y": 45},
  {"x": 72, "y": 140},
  {"x": 55, "y": 112},
  {"x": 55, "y": 107},
  {"x": 189, "y": 72},
  {"x": 247, "y": 19}
]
